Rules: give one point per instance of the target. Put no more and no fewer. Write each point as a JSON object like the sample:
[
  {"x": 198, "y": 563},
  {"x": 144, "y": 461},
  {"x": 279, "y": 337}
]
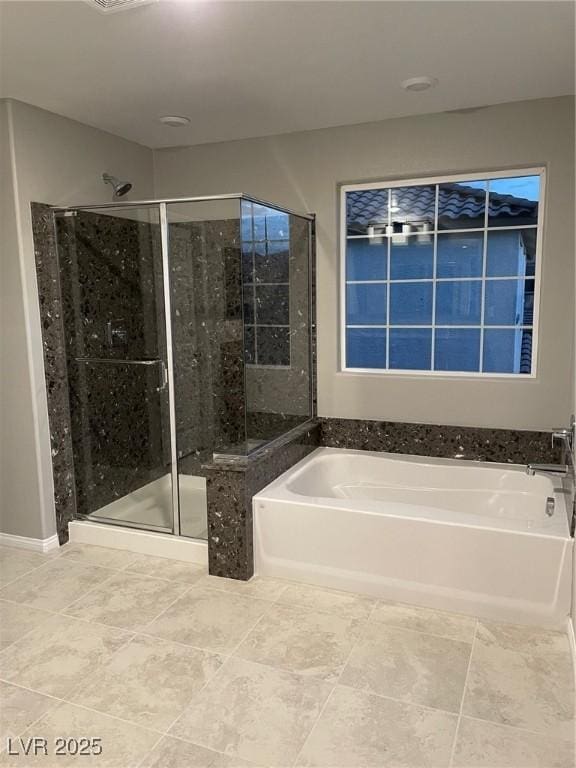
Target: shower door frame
[
  {"x": 165, "y": 251},
  {"x": 162, "y": 205}
]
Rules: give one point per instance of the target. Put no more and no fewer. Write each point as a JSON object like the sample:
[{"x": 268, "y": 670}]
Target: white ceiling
[{"x": 241, "y": 69}]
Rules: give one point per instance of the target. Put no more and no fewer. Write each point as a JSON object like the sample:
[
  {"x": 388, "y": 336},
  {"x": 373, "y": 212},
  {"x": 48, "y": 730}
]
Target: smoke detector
[
  {"x": 417, "y": 84},
  {"x": 112, "y": 6},
  {"x": 174, "y": 121}
]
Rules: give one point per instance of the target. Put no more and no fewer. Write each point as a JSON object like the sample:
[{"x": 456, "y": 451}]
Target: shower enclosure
[{"x": 188, "y": 337}]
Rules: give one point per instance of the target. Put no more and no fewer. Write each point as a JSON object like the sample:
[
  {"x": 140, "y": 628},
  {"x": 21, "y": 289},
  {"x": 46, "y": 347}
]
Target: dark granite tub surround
[
  {"x": 231, "y": 486},
  {"x": 475, "y": 443},
  {"x": 262, "y": 425},
  {"x": 47, "y": 276}
]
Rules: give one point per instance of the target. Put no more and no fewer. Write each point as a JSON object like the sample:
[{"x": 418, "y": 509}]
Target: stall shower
[{"x": 187, "y": 329}]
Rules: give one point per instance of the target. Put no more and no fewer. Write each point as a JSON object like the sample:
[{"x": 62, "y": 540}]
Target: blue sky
[
  {"x": 527, "y": 187},
  {"x": 520, "y": 186}
]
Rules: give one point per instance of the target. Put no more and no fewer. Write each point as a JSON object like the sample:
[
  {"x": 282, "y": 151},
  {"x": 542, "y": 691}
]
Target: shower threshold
[
  {"x": 117, "y": 536},
  {"x": 150, "y": 507}
]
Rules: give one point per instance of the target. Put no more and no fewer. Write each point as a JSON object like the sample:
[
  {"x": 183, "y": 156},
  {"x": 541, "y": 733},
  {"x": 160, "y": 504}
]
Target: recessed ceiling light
[
  {"x": 174, "y": 121},
  {"x": 419, "y": 83}
]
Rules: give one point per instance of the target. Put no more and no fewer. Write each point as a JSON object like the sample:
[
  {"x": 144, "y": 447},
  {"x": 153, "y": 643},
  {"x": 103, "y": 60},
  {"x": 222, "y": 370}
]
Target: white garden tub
[{"x": 457, "y": 535}]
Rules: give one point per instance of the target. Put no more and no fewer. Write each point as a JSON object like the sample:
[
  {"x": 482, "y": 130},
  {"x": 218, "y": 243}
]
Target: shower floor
[{"x": 151, "y": 506}]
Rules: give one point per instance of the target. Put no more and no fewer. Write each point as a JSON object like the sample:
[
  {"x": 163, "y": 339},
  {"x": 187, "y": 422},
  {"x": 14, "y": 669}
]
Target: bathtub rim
[{"x": 277, "y": 490}]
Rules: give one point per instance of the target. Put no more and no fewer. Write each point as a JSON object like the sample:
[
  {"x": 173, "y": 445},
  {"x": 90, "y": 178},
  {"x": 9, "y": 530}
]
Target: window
[
  {"x": 266, "y": 285},
  {"x": 441, "y": 276}
]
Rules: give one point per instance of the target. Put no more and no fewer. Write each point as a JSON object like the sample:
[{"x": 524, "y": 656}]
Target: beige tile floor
[{"x": 172, "y": 668}]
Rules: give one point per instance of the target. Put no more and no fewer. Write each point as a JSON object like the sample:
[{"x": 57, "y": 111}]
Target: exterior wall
[
  {"x": 57, "y": 161},
  {"x": 303, "y": 170}
]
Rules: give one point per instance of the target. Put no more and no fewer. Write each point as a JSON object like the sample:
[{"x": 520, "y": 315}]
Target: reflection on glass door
[
  {"x": 206, "y": 307},
  {"x": 114, "y": 318}
]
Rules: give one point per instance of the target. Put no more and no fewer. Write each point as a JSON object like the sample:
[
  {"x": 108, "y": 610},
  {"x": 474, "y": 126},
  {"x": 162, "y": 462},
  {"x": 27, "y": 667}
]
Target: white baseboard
[
  {"x": 34, "y": 545},
  {"x": 142, "y": 542},
  {"x": 572, "y": 641}
]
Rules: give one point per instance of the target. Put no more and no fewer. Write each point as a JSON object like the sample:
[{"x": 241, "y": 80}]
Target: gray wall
[
  {"x": 58, "y": 161},
  {"x": 45, "y": 157},
  {"x": 20, "y": 499},
  {"x": 303, "y": 170}
]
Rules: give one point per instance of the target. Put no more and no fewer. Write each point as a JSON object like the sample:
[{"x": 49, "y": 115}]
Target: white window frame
[{"x": 430, "y": 180}]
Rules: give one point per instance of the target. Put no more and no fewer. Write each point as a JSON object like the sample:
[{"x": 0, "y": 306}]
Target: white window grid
[
  {"x": 251, "y": 287},
  {"x": 434, "y": 232}
]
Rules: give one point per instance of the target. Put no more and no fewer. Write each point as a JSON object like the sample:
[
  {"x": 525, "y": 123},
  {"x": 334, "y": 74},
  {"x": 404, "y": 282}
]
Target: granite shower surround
[
  {"x": 507, "y": 446},
  {"x": 206, "y": 294},
  {"x": 231, "y": 486},
  {"x": 95, "y": 270},
  {"x": 56, "y": 374},
  {"x": 112, "y": 309}
]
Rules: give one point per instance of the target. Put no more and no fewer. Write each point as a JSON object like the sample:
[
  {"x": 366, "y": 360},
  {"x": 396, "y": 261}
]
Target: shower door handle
[
  {"x": 119, "y": 361},
  {"x": 163, "y": 376},
  {"x": 116, "y": 361}
]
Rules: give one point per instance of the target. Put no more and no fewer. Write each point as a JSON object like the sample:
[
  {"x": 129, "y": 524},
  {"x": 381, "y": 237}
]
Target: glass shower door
[
  {"x": 208, "y": 364},
  {"x": 112, "y": 283}
]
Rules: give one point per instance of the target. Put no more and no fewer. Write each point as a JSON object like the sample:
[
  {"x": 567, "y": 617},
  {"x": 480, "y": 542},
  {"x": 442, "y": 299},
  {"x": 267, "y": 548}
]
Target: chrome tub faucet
[
  {"x": 565, "y": 438},
  {"x": 546, "y": 469}
]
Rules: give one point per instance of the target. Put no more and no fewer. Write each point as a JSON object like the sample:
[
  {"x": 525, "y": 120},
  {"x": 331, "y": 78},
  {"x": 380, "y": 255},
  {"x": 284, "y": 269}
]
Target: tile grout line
[
  {"x": 554, "y": 736},
  {"x": 377, "y": 603},
  {"x": 167, "y": 733},
  {"x": 422, "y": 632},
  {"x": 31, "y": 571},
  {"x": 186, "y": 593},
  {"x": 247, "y": 634},
  {"x": 60, "y": 700},
  {"x": 185, "y": 587},
  {"x": 355, "y": 644},
  {"x": 464, "y": 690},
  {"x": 344, "y": 665},
  {"x": 276, "y": 601},
  {"x": 99, "y": 668},
  {"x": 112, "y": 627},
  {"x": 232, "y": 655},
  {"x": 50, "y": 615},
  {"x": 126, "y": 569},
  {"x": 134, "y": 632},
  {"x": 147, "y": 754},
  {"x": 84, "y": 595},
  {"x": 267, "y": 666},
  {"x": 73, "y": 691},
  {"x": 313, "y": 728},
  {"x": 406, "y": 702},
  {"x": 190, "y": 701}
]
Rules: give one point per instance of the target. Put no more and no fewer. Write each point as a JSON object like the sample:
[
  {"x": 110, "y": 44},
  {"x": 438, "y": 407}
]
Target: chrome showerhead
[{"x": 120, "y": 187}]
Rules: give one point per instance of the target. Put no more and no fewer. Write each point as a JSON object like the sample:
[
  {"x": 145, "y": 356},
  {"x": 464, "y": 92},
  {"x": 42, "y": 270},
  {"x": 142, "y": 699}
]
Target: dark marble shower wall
[
  {"x": 111, "y": 273},
  {"x": 112, "y": 298},
  {"x": 205, "y": 274},
  {"x": 53, "y": 342},
  {"x": 101, "y": 296},
  {"x": 278, "y": 387}
]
